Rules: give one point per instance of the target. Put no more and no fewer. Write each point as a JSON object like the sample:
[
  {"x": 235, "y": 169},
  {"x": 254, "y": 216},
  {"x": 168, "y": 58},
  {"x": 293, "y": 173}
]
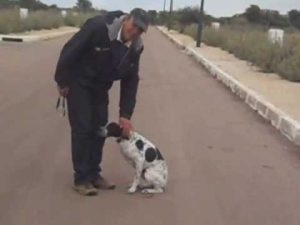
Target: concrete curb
[
  {"x": 289, "y": 127},
  {"x": 31, "y": 38}
]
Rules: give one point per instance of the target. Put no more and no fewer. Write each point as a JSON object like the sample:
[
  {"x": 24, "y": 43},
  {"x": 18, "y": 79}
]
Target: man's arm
[
  {"x": 128, "y": 94},
  {"x": 71, "y": 52},
  {"x": 129, "y": 87}
]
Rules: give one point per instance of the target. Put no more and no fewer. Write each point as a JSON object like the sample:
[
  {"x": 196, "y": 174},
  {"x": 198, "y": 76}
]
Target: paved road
[{"x": 227, "y": 167}]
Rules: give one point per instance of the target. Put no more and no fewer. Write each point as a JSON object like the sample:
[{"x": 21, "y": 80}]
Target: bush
[
  {"x": 10, "y": 21},
  {"x": 77, "y": 20},
  {"x": 42, "y": 20},
  {"x": 289, "y": 68},
  {"x": 187, "y": 16},
  {"x": 255, "y": 47},
  {"x": 191, "y": 30}
]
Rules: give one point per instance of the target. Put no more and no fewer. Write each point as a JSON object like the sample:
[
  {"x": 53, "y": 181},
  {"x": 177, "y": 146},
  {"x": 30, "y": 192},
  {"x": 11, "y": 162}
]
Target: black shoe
[{"x": 86, "y": 189}]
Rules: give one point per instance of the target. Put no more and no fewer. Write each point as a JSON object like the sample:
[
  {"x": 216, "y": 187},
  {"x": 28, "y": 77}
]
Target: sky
[{"x": 213, "y": 7}]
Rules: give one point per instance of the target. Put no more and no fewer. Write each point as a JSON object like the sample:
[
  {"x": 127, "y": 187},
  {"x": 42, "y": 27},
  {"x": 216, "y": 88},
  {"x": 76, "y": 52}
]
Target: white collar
[{"x": 128, "y": 43}]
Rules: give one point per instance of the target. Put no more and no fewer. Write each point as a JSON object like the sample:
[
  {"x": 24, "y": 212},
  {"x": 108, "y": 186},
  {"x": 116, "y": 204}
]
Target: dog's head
[{"x": 111, "y": 130}]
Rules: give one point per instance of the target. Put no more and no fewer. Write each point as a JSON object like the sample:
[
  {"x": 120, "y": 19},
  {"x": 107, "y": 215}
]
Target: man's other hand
[
  {"x": 126, "y": 126},
  {"x": 63, "y": 91}
]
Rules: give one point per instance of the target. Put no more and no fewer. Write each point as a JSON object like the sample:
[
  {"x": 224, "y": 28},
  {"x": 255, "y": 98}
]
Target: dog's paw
[
  {"x": 152, "y": 191},
  {"x": 147, "y": 194},
  {"x": 131, "y": 190},
  {"x": 145, "y": 191}
]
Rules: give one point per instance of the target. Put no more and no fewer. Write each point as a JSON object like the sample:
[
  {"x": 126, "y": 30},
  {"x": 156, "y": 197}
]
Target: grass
[
  {"x": 10, "y": 21},
  {"x": 253, "y": 45},
  {"x": 77, "y": 20}
]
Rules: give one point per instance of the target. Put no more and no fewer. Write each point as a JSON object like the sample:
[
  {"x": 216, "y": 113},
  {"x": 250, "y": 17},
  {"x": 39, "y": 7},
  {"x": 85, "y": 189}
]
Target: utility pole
[
  {"x": 200, "y": 24},
  {"x": 165, "y": 3},
  {"x": 170, "y": 15}
]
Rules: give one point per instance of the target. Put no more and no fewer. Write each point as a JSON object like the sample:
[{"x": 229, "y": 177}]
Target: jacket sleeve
[
  {"x": 129, "y": 87},
  {"x": 71, "y": 52}
]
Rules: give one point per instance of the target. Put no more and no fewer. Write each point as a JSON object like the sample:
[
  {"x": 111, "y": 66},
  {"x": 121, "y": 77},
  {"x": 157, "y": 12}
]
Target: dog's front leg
[{"x": 137, "y": 177}]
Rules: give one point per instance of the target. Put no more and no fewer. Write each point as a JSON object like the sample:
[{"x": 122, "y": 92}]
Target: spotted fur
[{"x": 151, "y": 171}]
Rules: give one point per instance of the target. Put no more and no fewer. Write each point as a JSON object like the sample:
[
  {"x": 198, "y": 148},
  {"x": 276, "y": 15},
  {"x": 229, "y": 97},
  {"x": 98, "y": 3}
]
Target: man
[{"x": 106, "y": 49}]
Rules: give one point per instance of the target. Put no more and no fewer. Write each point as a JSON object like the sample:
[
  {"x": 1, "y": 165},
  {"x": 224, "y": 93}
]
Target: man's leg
[
  {"x": 80, "y": 106},
  {"x": 100, "y": 118}
]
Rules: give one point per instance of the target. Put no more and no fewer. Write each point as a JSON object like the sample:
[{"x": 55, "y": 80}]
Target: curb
[
  {"x": 32, "y": 38},
  {"x": 288, "y": 127}
]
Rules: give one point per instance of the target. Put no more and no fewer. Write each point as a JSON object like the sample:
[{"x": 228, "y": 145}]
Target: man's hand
[
  {"x": 126, "y": 126},
  {"x": 63, "y": 91}
]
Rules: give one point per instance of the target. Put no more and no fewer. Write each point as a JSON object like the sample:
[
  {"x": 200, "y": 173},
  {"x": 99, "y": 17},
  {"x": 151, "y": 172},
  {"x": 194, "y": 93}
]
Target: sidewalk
[
  {"x": 38, "y": 35},
  {"x": 280, "y": 93}
]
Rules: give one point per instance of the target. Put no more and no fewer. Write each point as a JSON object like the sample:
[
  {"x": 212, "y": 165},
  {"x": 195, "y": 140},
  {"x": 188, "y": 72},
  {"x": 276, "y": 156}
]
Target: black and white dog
[{"x": 151, "y": 171}]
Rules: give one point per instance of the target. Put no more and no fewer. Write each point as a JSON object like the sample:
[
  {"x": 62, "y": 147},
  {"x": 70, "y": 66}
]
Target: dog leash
[{"x": 61, "y": 105}]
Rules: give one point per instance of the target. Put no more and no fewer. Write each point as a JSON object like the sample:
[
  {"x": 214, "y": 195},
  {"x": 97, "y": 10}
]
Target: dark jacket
[{"x": 94, "y": 53}]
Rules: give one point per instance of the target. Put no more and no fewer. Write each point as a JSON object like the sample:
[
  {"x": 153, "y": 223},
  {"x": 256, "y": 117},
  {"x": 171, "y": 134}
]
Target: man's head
[{"x": 135, "y": 24}]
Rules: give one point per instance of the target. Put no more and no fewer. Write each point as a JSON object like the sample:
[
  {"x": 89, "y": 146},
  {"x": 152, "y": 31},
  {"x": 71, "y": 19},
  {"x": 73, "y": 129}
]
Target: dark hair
[{"x": 114, "y": 130}]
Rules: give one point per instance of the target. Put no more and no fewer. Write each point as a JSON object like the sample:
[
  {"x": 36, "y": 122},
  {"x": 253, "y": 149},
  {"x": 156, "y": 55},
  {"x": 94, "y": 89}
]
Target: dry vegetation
[
  {"x": 253, "y": 45},
  {"x": 10, "y": 21}
]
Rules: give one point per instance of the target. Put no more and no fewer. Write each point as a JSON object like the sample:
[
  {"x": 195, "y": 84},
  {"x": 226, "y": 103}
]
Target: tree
[
  {"x": 272, "y": 18},
  {"x": 30, "y": 4},
  {"x": 294, "y": 17},
  {"x": 190, "y": 15},
  {"x": 6, "y": 3},
  {"x": 53, "y": 6},
  {"x": 187, "y": 16},
  {"x": 153, "y": 16},
  {"x": 253, "y": 14},
  {"x": 162, "y": 18},
  {"x": 266, "y": 17},
  {"x": 84, "y": 5}
]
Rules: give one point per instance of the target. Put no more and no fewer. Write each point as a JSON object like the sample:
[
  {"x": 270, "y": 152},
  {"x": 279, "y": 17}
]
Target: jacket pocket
[{"x": 102, "y": 56}]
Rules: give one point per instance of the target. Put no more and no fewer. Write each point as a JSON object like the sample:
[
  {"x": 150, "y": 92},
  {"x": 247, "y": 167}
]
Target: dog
[{"x": 151, "y": 171}]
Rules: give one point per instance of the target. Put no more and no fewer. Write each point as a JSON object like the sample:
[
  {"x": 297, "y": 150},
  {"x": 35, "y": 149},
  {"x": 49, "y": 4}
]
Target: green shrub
[{"x": 289, "y": 67}]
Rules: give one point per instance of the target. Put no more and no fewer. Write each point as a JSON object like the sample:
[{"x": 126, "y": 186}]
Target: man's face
[{"x": 130, "y": 30}]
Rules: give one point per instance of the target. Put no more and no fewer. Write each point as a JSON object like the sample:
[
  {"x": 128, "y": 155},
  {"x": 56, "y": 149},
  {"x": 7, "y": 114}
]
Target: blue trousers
[{"x": 88, "y": 111}]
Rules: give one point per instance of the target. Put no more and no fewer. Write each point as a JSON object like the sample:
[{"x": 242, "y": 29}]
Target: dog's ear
[{"x": 114, "y": 130}]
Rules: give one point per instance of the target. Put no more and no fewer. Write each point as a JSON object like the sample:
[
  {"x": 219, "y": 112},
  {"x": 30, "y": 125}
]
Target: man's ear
[{"x": 114, "y": 130}]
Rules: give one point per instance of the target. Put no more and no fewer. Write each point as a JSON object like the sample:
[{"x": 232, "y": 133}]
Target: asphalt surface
[{"x": 227, "y": 166}]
